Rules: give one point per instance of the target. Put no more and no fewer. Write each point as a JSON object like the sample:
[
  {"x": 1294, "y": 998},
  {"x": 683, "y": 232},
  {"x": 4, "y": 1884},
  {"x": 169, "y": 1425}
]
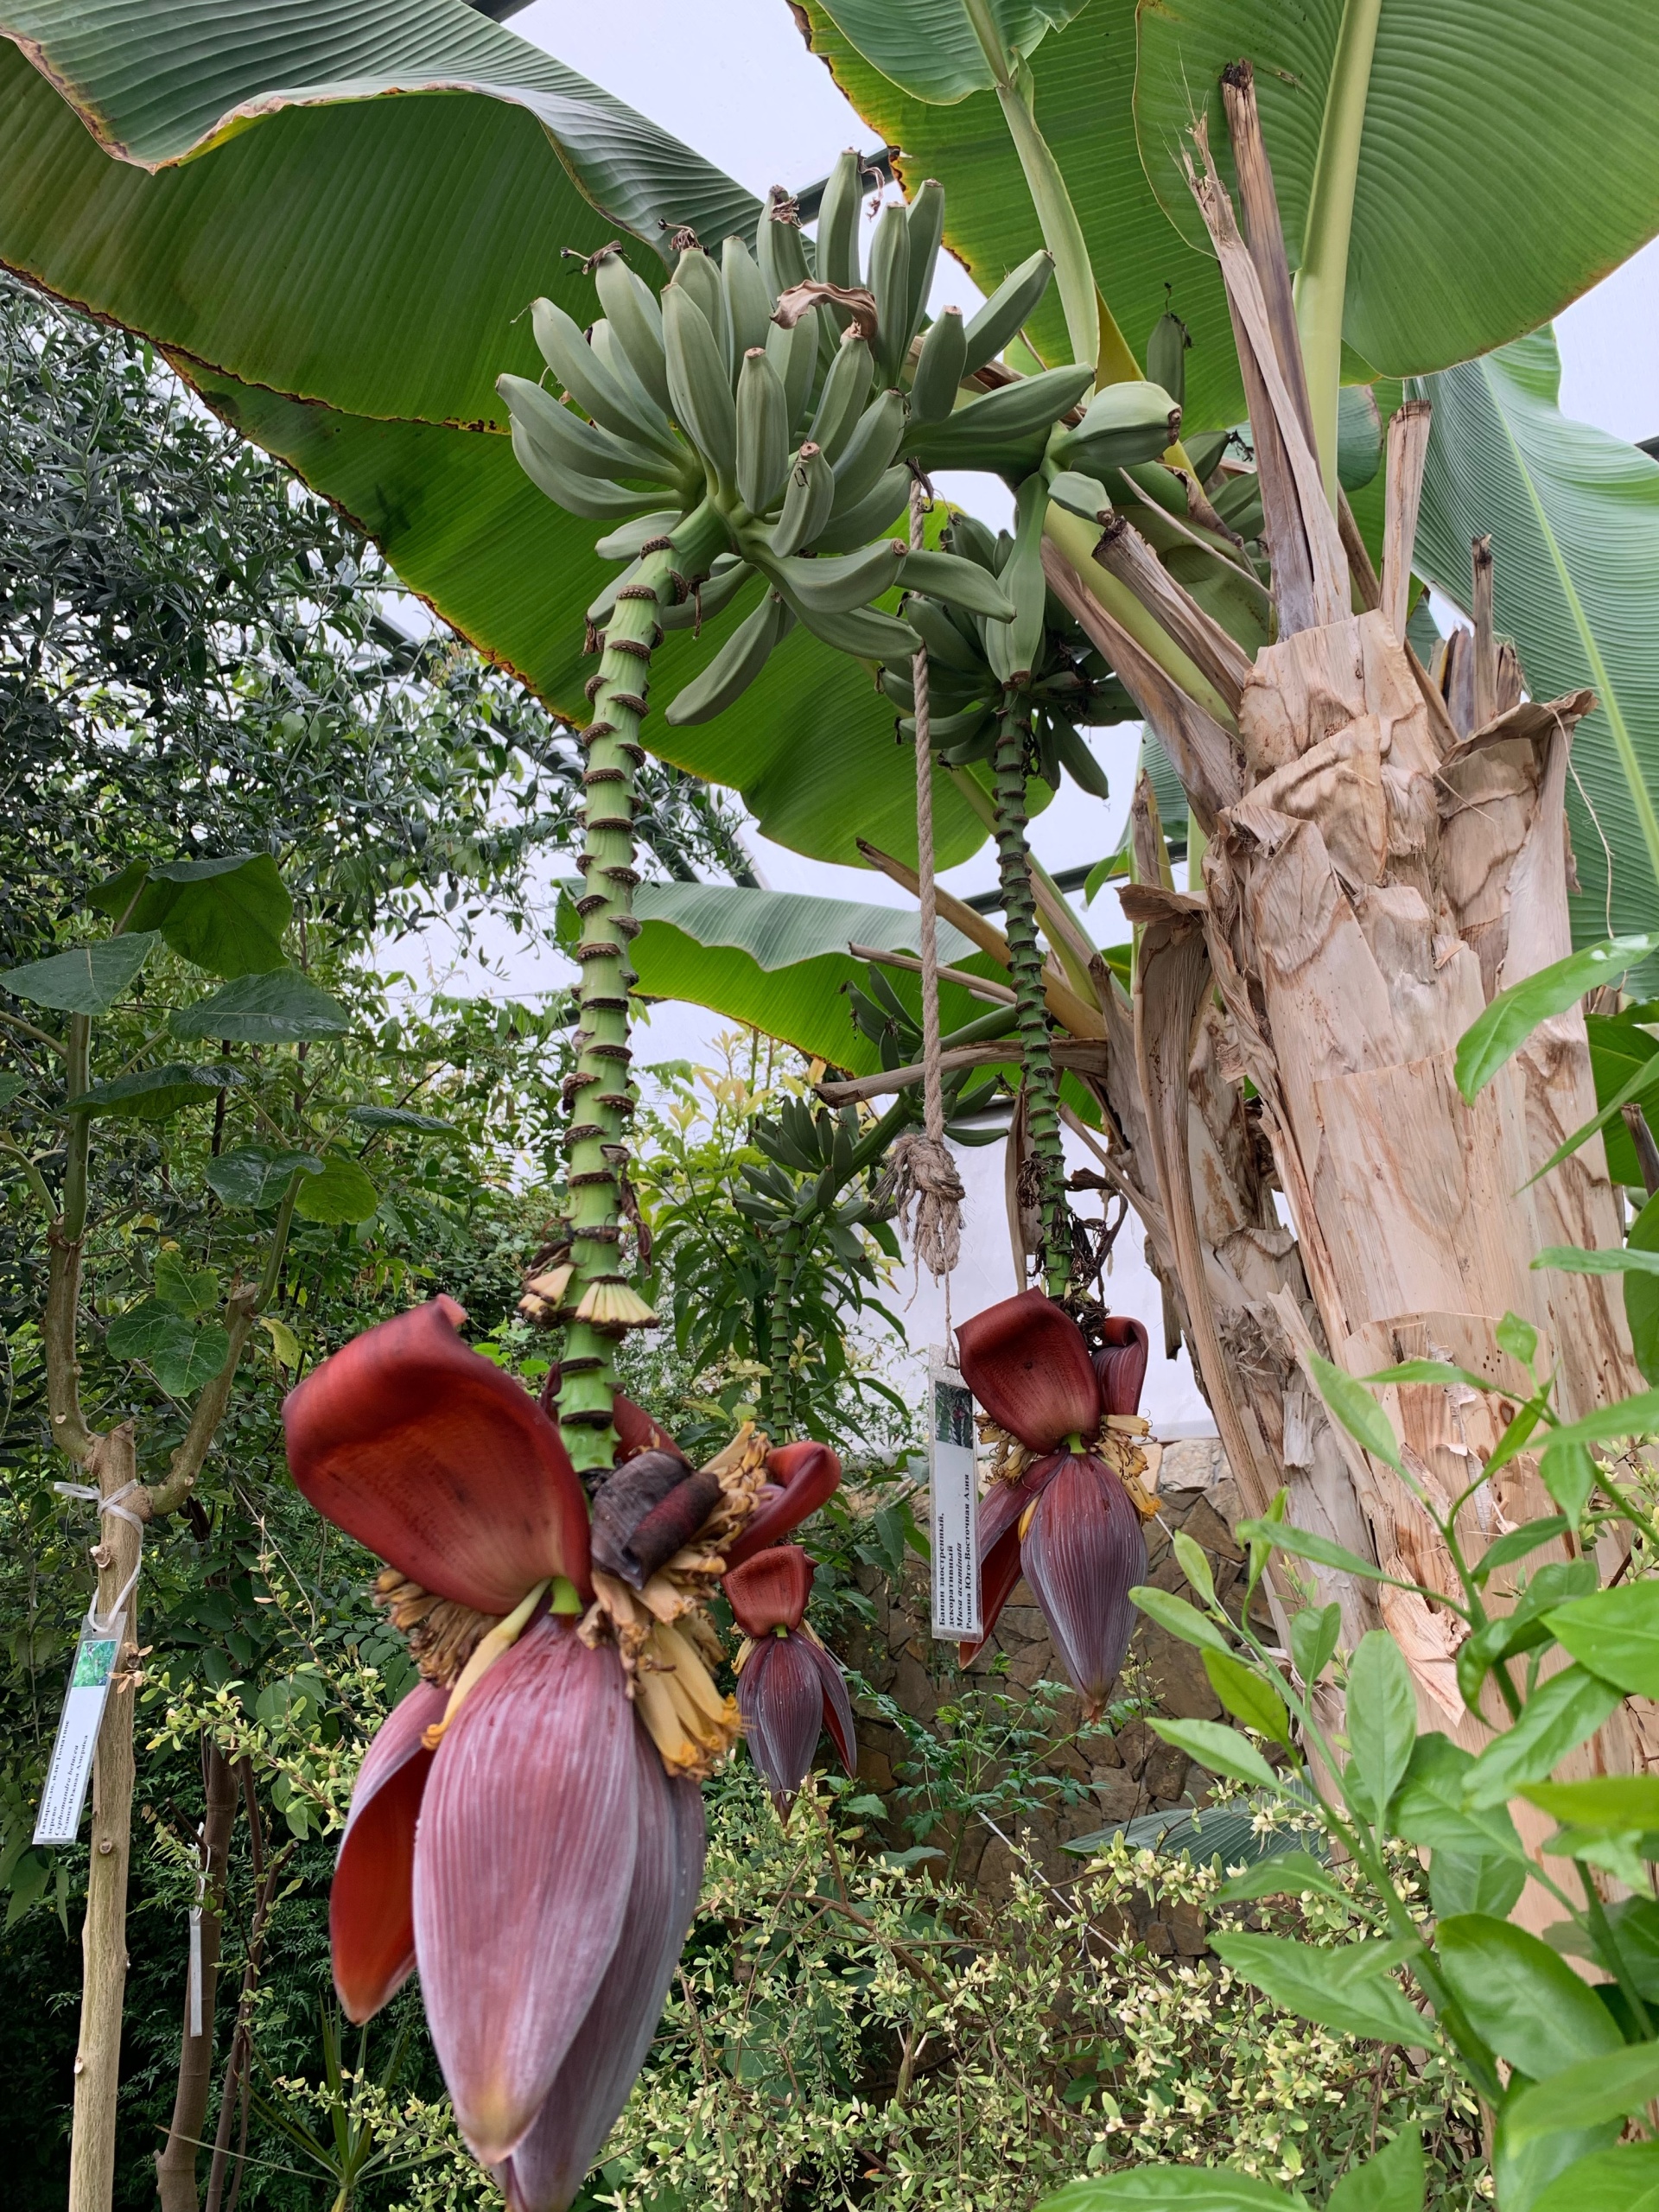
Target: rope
[
  {"x": 921, "y": 1171},
  {"x": 109, "y": 1624}
]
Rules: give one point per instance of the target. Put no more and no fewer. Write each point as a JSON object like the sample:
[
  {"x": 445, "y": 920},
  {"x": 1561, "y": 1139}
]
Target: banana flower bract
[
  {"x": 1061, "y": 1514},
  {"x": 789, "y": 1687}
]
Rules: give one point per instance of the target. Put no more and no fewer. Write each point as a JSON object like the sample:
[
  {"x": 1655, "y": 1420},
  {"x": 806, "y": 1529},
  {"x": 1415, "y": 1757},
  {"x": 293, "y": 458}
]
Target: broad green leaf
[
  {"x": 1177, "y": 1617},
  {"x": 1352, "y": 1404},
  {"x": 1605, "y": 2088},
  {"x": 1633, "y": 1416},
  {"x": 1517, "y": 1337},
  {"x": 1576, "y": 514},
  {"x": 1430, "y": 1370},
  {"x": 779, "y": 959},
  {"x": 341, "y": 1192},
  {"x": 1522, "y": 1997},
  {"x": 1498, "y": 1033},
  {"x": 1474, "y": 1881},
  {"x": 256, "y": 1176},
  {"x": 225, "y": 915},
  {"x": 284, "y": 1344},
  {"x": 88, "y": 980},
  {"x": 1571, "y": 1260},
  {"x": 183, "y": 1368},
  {"x": 282, "y": 1008},
  {"x": 149, "y": 1331},
  {"x": 930, "y": 47},
  {"x": 1347, "y": 1988},
  {"x": 1458, "y": 155},
  {"x": 1518, "y": 1543},
  {"x": 1313, "y": 1634},
  {"x": 1522, "y": 2172},
  {"x": 1642, "y": 1294},
  {"x": 1568, "y": 1473},
  {"x": 189, "y": 1290},
  {"x": 399, "y": 1117},
  {"x": 1393, "y": 2180},
  {"x": 1249, "y": 1697},
  {"x": 1624, "y": 2179},
  {"x": 1618, "y": 1047},
  {"x": 1185, "y": 2188},
  {"x": 1224, "y": 1751},
  {"x": 1428, "y": 1807},
  {"x": 151, "y": 1094},
  {"x": 1560, "y": 1713},
  {"x": 1634, "y": 1924},
  {"x": 1614, "y": 1633},
  {"x": 1382, "y": 1723},
  {"x": 1287, "y": 1876}
]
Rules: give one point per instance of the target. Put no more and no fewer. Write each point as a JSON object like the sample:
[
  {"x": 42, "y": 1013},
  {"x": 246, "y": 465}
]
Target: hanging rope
[{"x": 920, "y": 1171}]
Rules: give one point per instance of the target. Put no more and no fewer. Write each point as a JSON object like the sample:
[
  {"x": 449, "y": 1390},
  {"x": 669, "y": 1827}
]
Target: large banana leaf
[
  {"x": 1574, "y": 521},
  {"x": 1483, "y": 201},
  {"x": 779, "y": 960},
  {"x": 1508, "y": 159},
  {"x": 332, "y": 217}
]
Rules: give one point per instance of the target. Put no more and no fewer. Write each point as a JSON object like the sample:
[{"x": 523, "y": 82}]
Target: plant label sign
[
  {"x": 953, "y": 1484},
  {"x": 72, "y": 1754}
]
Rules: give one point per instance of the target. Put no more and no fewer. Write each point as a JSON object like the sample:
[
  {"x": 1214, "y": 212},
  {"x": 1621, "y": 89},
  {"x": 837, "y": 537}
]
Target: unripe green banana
[
  {"x": 577, "y": 446},
  {"x": 939, "y": 369},
  {"x": 591, "y": 385},
  {"x": 779, "y": 249},
  {"x": 695, "y": 275},
  {"x": 590, "y": 497},
  {"x": 699, "y": 391},
  {"x": 794, "y": 353},
  {"x": 607, "y": 350},
  {"x": 734, "y": 667},
  {"x": 762, "y": 432},
  {"x": 1122, "y": 423},
  {"x": 970, "y": 537},
  {"x": 945, "y": 644},
  {"x": 1010, "y": 308},
  {"x": 963, "y": 583},
  {"x": 748, "y": 303},
  {"x": 879, "y": 514},
  {"x": 869, "y": 452},
  {"x": 977, "y": 742},
  {"x": 948, "y": 689},
  {"x": 866, "y": 633},
  {"x": 890, "y": 282},
  {"x": 1159, "y": 487},
  {"x": 623, "y": 543},
  {"x": 1072, "y": 752},
  {"x": 948, "y": 729},
  {"x": 636, "y": 320},
  {"x": 1014, "y": 647},
  {"x": 1080, "y": 495},
  {"x": 1167, "y": 355},
  {"x": 838, "y": 214},
  {"x": 1005, "y": 430},
  {"x": 834, "y": 586},
  {"x": 846, "y": 388},
  {"x": 926, "y": 219},
  {"x": 709, "y": 598},
  {"x": 809, "y": 494}
]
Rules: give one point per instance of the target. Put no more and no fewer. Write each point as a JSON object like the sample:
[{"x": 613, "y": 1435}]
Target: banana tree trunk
[{"x": 1374, "y": 874}]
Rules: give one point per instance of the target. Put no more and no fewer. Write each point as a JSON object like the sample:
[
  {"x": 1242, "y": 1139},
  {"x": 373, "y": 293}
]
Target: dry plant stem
[
  {"x": 1086, "y": 1056},
  {"x": 1126, "y": 555},
  {"x": 175, "y": 2165},
  {"x": 1485, "y": 643},
  {"x": 112, "y": 1462},
  {"x": 1408, "y": 451},
  {"x": 1647, "y": 1151},
  {"x": 979, "y": 987},
  {"x": 1263, "y": 231},
  {"x": 1026, "y": 963},
  {"x": 62, "y": 1322},
  {"x": 234, "y": 2088}
]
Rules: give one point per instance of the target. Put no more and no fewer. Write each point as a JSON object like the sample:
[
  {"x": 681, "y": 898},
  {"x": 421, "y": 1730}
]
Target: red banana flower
[
  {"x": 789, "y": 1687},
  {"x": 527, "y": 1828},
  {"x": 1066, "y": 1520}
]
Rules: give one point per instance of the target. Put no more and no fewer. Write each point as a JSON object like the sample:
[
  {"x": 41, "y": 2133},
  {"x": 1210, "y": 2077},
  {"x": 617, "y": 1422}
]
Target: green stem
[
  {"x": 1322, "y": 279},
  {"x": 60, "y": 1329},
  {"x": 1025, "y": 973},
  {"x": 602, "y": 1099}
]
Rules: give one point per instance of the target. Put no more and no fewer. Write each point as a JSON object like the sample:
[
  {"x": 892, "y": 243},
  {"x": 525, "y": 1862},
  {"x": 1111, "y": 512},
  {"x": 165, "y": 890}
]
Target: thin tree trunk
[
  {"x": 113, "y": 1464},
  {"x": 175, "y": 2165},
  {"x": 234, "y": 2092}
]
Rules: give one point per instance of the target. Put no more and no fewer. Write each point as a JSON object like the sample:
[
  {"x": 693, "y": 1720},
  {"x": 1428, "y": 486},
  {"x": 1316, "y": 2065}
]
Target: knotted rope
[
  {"x": 110, "y": 1624},
  {"x": 920, "y": 1171}
]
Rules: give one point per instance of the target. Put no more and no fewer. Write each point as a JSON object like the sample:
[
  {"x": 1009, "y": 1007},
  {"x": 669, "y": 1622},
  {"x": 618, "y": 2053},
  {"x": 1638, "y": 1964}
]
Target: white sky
[{"x": 734, "y": 79}]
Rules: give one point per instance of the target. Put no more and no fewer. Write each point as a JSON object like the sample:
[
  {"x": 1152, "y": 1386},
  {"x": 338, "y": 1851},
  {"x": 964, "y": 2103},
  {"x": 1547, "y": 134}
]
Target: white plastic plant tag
[
  {"x": 953, "y": 1484},
  {"x": 64, "y": 1794}
]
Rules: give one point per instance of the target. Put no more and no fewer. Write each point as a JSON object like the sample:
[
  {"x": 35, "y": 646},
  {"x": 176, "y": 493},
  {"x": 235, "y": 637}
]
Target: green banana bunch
[
  {"x": 1006, "y": 431},
  {"x": 1167, "y": 354},
  {"x": 976, "y": 665},
  {"x": 1122, "y": 424},
  {"x": 735, "y": 666}
]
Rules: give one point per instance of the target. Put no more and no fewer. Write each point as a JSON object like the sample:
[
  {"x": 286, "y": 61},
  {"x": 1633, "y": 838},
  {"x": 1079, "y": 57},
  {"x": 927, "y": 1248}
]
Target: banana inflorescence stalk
[{"x": 1025, "y": 973}]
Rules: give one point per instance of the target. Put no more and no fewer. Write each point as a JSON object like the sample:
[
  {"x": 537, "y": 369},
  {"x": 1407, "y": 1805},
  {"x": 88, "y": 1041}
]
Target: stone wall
[{"x": 1129, "y": 1773}]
